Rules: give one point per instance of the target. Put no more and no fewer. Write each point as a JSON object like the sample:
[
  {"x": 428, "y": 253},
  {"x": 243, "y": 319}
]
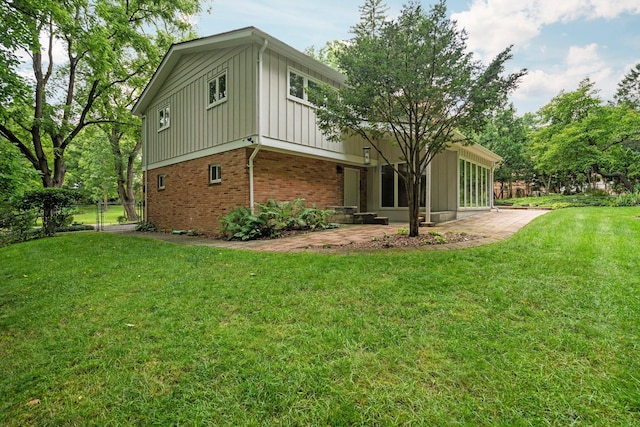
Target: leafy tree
[
  {"x": 629, "y": 89},
  {"x": 327, "y": 54},
  {"x": 52, "y": 205},
  {"x": 579, "y": 136},
  {"x": 105, "y": 46},
  {"x": 373, "y": 14},
  {"x": 507, "y": 135},
  {"x": 414, "y": 79}
]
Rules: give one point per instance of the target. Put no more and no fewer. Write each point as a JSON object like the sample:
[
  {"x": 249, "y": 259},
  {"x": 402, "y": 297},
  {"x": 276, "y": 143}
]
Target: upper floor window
[
  {"x": 163, "y": 117},
  {"x": 299, "y": 85},
  {"x": 218, "y": 89}
]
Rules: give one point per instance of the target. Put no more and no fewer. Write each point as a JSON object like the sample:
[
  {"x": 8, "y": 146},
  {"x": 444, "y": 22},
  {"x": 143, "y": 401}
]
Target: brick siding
[{"x": 189, "y": 202}]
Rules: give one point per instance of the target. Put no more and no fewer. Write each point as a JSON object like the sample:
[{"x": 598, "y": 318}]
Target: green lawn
[
  {"x": 542, "y": 329},
  {"x": 87, "y": 214}
]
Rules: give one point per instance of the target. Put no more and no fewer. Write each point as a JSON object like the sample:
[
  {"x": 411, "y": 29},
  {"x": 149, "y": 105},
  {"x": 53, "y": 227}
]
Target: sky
[{"x": 559, "y": 42}]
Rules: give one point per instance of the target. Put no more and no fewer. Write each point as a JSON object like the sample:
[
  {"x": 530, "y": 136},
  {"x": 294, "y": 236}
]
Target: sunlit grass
[{"x": 541, "y": 329}]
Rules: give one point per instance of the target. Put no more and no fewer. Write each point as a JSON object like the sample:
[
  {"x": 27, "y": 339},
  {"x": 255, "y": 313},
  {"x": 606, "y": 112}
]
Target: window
[
  {"x": 163, "y": 118},
  {"x": 394, "y": 190},
  {"x": 299, "y": 86},
  {"x": 218, "y": 89},
  {"x": 474, "y": 185},
  {"x": 160, "y": 182},
  {"x": 215, "y": 174}
]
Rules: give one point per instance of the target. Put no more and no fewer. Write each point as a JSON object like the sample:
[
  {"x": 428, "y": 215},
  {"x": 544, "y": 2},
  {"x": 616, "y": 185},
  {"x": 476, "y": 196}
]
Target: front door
[{"x": 352, "y": 187}]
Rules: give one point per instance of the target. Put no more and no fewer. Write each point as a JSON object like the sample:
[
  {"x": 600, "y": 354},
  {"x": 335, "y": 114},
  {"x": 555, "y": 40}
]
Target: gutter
[{"x": 258, "y": 140}]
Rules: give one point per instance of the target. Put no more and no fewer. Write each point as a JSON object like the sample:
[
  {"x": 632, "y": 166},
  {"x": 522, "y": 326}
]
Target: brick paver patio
[{"x": 491, "y": 226}]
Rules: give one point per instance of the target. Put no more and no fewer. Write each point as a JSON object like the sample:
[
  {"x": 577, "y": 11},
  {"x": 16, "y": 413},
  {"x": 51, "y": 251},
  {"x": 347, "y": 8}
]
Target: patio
[{"x": 491, "y": 227}]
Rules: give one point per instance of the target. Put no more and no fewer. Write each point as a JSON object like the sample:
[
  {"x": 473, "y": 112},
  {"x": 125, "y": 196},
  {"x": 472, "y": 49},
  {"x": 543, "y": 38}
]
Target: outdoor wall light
[{"x": 366, "y": 152}]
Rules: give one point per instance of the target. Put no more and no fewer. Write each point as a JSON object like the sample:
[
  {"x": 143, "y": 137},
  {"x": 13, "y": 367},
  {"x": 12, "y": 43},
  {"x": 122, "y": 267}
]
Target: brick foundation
[{"x": 189, "y": 202}]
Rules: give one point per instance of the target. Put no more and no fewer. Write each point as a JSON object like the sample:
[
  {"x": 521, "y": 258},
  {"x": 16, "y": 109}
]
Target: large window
[
  {"x": 299, "y": 86},
  {"x": 394, "y": 191},
  {"x": 218, "y": 89},
  {"x": 163, "y": 118},
  {"x": 475, "y": 185}
]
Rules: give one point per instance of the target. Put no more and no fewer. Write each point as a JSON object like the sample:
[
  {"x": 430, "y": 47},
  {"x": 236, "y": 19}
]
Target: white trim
[
  {"x": 202, "y": 153},
  {"x": 218, "y": 169},
  {"x": 165, "y": 121},
  {"x": 318, "y": 153},
  {"x": 305, "y": 86},
  {"x": 208, "y": 88}
]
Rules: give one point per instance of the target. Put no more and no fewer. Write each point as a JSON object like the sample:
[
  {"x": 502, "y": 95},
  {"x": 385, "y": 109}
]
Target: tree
[
  {"x": 373, "y": 14},
  {"x": 507, "y": 135},
  {"x": 414, "y": 79},
  {"x": 327, "y": 54},
  {"x": 629, "y": 89},
  {"x": 578, "y": 136},
  {"x": 105, "y": 45}
]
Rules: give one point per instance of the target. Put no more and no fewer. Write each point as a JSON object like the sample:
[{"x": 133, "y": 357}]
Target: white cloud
[
  {"x": 494, "y": 24},
  {"x": 540, "y": 86}
]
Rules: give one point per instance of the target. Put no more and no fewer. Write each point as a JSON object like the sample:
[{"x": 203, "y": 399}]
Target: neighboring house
[{"x": 227, "y": 122}]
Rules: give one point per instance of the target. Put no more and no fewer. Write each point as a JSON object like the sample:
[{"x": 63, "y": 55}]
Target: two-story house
[{"x": 227, "y": 122}]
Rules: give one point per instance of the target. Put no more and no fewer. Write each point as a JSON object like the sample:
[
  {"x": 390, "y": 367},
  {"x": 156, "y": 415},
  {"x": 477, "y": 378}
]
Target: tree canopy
[
  {"x": 80, "y": 53},
  {"x": 579, "y": 135},
  {"x": 414, "y": 79}
]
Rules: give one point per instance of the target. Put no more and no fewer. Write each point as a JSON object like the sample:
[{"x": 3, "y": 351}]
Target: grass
[
  {"x": 562, "y": 201},
  {"x": 86, "y": 214},
  {"x": 542, "y": 329}
]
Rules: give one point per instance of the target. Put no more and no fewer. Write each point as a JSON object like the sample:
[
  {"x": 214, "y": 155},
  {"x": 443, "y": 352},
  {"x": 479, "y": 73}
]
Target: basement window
[{"x": 215, "y": 174}]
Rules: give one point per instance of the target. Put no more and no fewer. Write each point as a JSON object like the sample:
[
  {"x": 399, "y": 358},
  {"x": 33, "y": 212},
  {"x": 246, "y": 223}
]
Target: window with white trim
[
  {"x": 475, "y": 185},
  {"x": 299, "y": 85},
  {"x": 393, "y": 188},
  {"x": 217, "y": 89},
  {"x": 160, "y": 182},
  {"x": 215, "y": 174},
  {"x": 163, "y": 118}
]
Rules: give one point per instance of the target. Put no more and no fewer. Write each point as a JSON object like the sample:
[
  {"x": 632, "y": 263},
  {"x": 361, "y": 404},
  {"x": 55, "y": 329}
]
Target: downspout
[
  {"x": 259, "y": 127},
  {"x": 145, "y": 154}
]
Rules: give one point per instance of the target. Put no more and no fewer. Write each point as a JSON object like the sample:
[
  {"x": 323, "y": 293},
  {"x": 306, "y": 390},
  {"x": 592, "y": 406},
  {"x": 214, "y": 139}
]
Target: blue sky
[{"x": 560, "y": 42}]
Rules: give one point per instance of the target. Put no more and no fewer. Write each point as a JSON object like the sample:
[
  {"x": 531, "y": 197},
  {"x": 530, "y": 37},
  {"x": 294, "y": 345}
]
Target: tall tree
[
  {"x": 506, "y": 134},
  {"x": 629, "y": 89},
  {"x": 414, "y": 79},
  {"x": 578, "y": 135},
  {"x": 78, "y": 51},
  {"x": 373, "y": 14}
]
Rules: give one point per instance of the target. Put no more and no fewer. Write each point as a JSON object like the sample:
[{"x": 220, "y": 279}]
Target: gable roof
[{"x": 221, "y": 41}]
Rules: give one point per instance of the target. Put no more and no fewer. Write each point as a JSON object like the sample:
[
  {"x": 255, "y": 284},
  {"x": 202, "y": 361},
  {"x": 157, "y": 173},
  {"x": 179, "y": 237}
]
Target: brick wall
[
  {"x": 285, "y": 177},
  {"x": 189, "y": 202}
]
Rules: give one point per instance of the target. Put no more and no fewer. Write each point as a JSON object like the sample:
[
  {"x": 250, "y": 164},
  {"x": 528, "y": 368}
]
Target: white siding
[{"x": 193, "y": 126}]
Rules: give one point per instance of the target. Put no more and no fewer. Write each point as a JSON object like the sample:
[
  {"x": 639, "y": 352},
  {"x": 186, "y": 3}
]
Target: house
[{"x": 227, "y": 122}]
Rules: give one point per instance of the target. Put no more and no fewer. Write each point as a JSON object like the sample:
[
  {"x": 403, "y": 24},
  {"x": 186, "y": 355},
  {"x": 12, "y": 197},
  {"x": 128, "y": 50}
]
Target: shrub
[
  {"x": 53, "y": 205},
  {"x": 16, "y": 225},
  {"x": 146, "y": 226},
  {"x": 272, "y": 218},
  {"x": 629, "y": 199}
]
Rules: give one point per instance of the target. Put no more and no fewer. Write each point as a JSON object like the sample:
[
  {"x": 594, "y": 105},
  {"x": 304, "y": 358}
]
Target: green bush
[
  {"x": 146, "y": 226},
  {"x": 16, "y": 225},
  {"x": 629, "y": 199},
  {"x": 272, "y": 218},
  {"x": 53, "y": 205}
]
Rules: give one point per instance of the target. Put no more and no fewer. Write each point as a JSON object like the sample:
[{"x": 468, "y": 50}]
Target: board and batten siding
[
  {"x": 193, "y": 126},
  {"x": 288, "y": 120}
]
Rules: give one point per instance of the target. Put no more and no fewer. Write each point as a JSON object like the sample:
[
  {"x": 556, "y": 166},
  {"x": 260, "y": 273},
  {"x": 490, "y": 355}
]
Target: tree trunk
[{"x": 413, "y": 198}]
